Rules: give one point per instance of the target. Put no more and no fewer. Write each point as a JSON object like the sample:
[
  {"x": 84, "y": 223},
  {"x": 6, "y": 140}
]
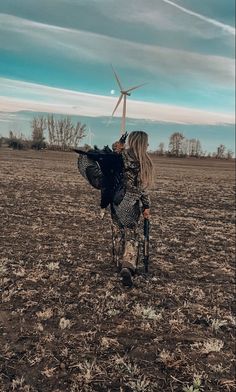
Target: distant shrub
[
  {"x": 3, "y": 141},
  {"x": 17, "y": 142},
  {"x": 38, "y": 144}
]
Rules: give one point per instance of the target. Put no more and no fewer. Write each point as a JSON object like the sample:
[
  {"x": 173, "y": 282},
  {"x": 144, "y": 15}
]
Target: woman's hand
[
  {"x": 146, "y": 213},
  {"x": 118, "y": 147}
]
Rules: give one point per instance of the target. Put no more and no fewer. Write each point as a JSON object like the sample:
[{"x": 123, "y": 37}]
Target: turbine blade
[
  {"x": 117, "y": 79},
  {"x": 119, "y": 100},
  {"x": 134, "y": 88}
]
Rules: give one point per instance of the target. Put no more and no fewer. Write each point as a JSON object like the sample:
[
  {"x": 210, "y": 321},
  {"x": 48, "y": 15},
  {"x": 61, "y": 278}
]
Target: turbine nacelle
[{"x": 125, "y": 93}]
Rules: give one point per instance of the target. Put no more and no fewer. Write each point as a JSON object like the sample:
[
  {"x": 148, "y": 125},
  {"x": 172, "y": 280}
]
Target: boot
[{"x": 126, "y": 277}]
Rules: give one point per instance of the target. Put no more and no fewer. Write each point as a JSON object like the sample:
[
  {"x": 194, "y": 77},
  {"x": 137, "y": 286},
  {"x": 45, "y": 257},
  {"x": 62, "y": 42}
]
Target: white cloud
[
  {"x": 161, "y": 16},
  {"x": 91, "y": 47},
  {"x": 226, "y": 28},
  {"x": 55, "y": 100}
]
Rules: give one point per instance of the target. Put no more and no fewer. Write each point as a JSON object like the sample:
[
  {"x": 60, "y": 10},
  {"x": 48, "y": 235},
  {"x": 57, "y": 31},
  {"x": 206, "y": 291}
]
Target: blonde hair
[{"x": 138, "y": 144}]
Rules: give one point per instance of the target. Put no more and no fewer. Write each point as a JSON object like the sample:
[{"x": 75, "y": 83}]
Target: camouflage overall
[
  {"x": 126, "y": 232},
  {"x": 125, "y": 216}
]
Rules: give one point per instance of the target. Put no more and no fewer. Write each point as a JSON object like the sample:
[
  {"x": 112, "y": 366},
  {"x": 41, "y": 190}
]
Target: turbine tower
[{"x": 123, "y": 95}]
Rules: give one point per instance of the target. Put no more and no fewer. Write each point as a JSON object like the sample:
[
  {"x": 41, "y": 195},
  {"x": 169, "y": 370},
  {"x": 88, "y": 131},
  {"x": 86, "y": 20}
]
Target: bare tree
[
  {"x": 221, "y": 151},
  {"x": 175, "y": 144},
  {"x": 51, "y": 130},
  {"x": 79, "y": 133},
  {"x": 38, "y": 127},
  {"x": 63, "y": 134},
  {"x": 160, "y": 150},
  {"x": 184, "y": 147},
  {"x": 230, "y": 154},
  {"x": 199, "y": 151},
  {"x": 195, "y": 149}
]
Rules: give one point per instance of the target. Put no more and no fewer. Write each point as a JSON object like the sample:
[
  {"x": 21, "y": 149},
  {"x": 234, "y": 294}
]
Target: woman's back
[{"x": 131, "y": 170}]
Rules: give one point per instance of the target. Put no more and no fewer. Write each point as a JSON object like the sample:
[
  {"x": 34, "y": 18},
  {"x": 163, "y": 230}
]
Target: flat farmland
[{"x": 66, "y": 322}]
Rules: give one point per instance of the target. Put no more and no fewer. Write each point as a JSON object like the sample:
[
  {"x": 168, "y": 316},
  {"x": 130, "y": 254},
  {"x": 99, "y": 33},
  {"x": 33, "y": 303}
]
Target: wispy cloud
[
  {"x": 54, "y": 100},
  {"x": 86, "y": 46},
  {"x": 226, "y": 28},
  {"x": 163, "y": 16}
]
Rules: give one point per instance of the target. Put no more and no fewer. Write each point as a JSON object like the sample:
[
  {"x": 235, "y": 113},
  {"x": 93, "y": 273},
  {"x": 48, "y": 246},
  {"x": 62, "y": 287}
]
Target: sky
[{"x": 56, "y": 56}]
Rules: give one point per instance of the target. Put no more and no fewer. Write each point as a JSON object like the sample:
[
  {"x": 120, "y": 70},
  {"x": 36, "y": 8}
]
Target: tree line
[
  {"x": 63, "y": 134},
  {"x": 181, "y": 147}
]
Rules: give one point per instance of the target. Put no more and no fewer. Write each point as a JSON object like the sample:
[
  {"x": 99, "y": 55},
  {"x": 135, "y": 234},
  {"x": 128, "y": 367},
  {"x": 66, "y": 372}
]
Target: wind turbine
[{"x": 123, "y": 95}]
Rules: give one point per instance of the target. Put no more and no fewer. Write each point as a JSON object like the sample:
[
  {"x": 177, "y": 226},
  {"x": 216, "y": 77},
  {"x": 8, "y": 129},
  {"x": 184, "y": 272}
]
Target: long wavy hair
[{"x": 138, "y": 144}]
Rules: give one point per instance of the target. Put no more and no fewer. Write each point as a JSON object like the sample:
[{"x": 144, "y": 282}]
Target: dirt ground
[{"x": 66, "y": 322}]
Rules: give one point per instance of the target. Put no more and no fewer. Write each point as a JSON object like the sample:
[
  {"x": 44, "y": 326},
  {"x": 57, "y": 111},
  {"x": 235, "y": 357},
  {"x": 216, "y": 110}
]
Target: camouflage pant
[
  {"x": 126, "y": 231},
  {"x": 126, "y": 246}
]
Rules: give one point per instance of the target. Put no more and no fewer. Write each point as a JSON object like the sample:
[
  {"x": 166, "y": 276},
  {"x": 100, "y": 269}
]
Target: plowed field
[{"x": 66, "y": 322}]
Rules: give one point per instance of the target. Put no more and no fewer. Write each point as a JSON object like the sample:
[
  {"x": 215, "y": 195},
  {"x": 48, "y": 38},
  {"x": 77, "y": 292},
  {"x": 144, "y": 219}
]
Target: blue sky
[{"x": 56, "y": 55}]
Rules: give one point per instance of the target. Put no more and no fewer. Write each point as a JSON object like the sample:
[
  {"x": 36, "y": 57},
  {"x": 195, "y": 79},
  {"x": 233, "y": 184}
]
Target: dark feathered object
[{"x": 111, "y": 182}]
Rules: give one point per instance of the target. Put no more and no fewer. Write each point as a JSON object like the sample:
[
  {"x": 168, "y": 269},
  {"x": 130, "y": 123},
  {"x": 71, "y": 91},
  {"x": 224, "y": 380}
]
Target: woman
[
  {"x": 123, "y": 177},
  {"x": 138, "y": 170}
]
